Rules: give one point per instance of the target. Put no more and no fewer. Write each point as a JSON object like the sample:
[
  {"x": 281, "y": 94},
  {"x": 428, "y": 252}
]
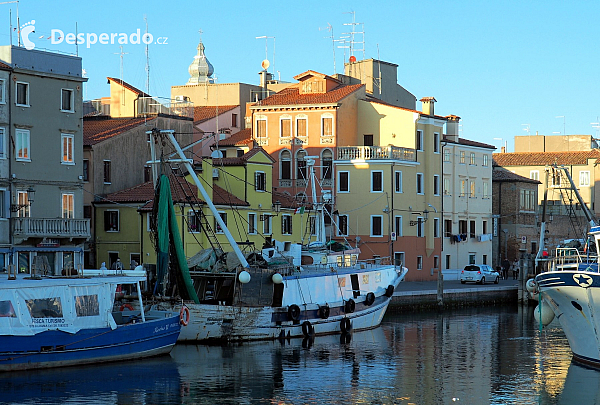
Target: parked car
[{"x": 479, "y": 273}]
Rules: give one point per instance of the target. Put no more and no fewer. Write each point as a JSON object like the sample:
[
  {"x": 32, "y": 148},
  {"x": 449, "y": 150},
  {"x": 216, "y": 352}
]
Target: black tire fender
[
  {"x": 370, "y": 299},
  {"x": 307, "y": 329},
  {"x": 350, "y": 306},
  {"x": 389, "y": 291},
  {"x": 294, "y": 312}
]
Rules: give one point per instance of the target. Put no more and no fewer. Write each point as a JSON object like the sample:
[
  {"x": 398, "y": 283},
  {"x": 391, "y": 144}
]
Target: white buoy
[
  {"x": 244, "y": 277},
  {"x": 277, "y": 278},
  {"x": 531, "y": 285},
  {"x": 547, "y": 314}
]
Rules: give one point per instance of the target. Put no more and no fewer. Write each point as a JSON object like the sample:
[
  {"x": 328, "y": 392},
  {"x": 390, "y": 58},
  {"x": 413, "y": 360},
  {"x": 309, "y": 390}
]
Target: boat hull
[
  {"x": 574, "y": 296},
  {"x": 54, "y": 348}
]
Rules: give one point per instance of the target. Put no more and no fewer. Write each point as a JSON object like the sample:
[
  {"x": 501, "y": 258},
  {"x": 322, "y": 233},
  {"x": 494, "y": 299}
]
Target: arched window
[
  {"x": 285, "y": 160},
  {"x": 327, "y": 163},
  {"x": 301, "y": 165}
]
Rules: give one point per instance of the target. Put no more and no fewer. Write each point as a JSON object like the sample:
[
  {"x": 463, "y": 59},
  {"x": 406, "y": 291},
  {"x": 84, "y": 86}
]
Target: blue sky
[{"x": 496, "y": 64}]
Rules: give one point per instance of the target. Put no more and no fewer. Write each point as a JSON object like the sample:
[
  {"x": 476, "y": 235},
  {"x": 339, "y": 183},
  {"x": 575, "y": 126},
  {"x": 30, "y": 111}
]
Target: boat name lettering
[{"x": 41, "y": 322}]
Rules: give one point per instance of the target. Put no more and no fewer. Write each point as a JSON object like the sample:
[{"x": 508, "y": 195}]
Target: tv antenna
[
  {"x": 354, "y": 34},
  {"x": 266, "y": 38},
  {"x": 122, "y": 87},
  {"x": 330, "y": 29}
]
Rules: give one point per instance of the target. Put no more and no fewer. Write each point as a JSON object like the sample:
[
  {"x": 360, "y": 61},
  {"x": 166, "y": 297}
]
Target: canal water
[{"x": 493, "y": 355}]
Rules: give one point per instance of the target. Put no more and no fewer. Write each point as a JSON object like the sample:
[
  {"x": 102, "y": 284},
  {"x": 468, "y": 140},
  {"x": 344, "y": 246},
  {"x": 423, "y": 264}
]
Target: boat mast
[
  {"x": 318, "y": 206},
  {"x": 540, "y": 251},
  {"x": 187, "y": 162}
]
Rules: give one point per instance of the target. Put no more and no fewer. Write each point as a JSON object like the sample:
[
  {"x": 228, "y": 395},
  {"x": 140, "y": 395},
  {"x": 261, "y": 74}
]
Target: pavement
[{"x": 430, "y": 287}]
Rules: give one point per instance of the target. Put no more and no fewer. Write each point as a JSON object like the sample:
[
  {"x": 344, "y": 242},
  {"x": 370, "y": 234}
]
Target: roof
[
  {"x": 242, "y": 160},
  {"x": 291, "y": 96},
  {"x": 205, "y": 113},
  {"x": 312, "y": 73},
  {"x": 241, "y": 138},
  {"x": 5, "y": 66},
  {"x": 99, "y": 128},
  {"x": 467, "y": 142},
  {"x": 372, "y": 99},
  {"x": 545, "y": 158},
  {"x": 128, "y": 86},
  {"x": 499, "y": 174}
]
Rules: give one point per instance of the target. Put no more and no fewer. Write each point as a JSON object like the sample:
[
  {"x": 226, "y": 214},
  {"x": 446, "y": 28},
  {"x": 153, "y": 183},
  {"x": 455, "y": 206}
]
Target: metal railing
[
  {"x": 571, "y": 259},
  {"x": 167, "y": 106},
  {"x": 376, "y": 152}
]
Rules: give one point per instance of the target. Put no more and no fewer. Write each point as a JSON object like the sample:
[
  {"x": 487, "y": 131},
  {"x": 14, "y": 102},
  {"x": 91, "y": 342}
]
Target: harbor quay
[{"x": 423, "y": 295}]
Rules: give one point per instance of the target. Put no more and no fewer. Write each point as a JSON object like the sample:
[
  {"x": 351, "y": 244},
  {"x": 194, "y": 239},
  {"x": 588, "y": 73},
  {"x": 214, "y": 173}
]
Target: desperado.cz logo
[{"x": 58, "y": 36}]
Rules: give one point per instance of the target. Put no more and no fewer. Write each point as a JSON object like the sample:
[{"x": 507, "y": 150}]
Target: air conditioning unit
[{"x": 215, "y": 173}]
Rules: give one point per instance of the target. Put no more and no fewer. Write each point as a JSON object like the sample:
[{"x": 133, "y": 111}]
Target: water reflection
[{"x": 472, "y": 356}]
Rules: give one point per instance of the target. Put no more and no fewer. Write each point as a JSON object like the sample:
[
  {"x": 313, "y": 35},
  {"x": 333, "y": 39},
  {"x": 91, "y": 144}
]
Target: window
[
  {"x": 327, "y": 161},
  {"x": 301, "y": 127},
  {"x": 436, "y": 185},
  {"x": 472, "y": 189},
  {"x": 485, "y": 160},
  {"x": 3, "y": 154},
  {"x": 111, "y": 221},
  {"x": 419, "y": 262},
  {"x": 326, "y": 126},
  {"x": 223, "y": 216},
  {"x": 368, "y": 140},
  {"x": 301, "y": 165},
  {"x": 484, "y": 259},
  {"x": 2, "y": 101},
  {"x": 398, "y": 182},
  {"x": 420, "y": 227},
  {"x": 447, "y": 228},
  {"x": 260, "y": 181},
  {"x": 193, "y": 222},
  {"x": 584, "y": 178},
  {"x": 419, "y": 140},
  {"x": 463, "y": 188},
  {"x": 267, "y": 224},
  {"x": 446, "y": 186},
  {"x": 251, "y": 223},
  {"x": 376, "y": 225},
  {"x": 376, "y": 181},
  {"x": 472, "y": 159},
  {"x": 68, "y": 208},
  {"x": 447, "y": 262},
  {"x": 234, "y": 120},
  {"x": 286, "y": 165},
  {"x": 45, "y": 307},
  {"x": 534, "y": 175},
  {"x": 2, "y": 213},
  {"x": 486, "y": 190},
  {"x": 343, "y": 225},
  {"x": 286, "y": 224},
  {"x": 419, "y": 183},
  {"x": 436, "y": 262},
  {"x": 399, "y": 259},
  {"x": 436, "y": 227},
  {"x": 462, "y": 226},
  {"x": 107, "y": 172},
  {"x": 147, "y": 174},
  {"x": 285, "y": 127},
  {"x": 462, "y": 157},
  {"x": 261, "y": 128},
  {"x": 471, "y": 258},
  {"x": 86, "y": 170},
  {"x": 472, "y": 229},
  {"x": 22, "y": 94},
  {"x": 67, "y": 100},
  {"x": 446, "y": 155},
  {"x": 23, "y": 201},
  {"x": 436, "y": 143},
  {"x": 87, "y": 211},
  {"x": 398, "y": 226},
  {"x": 22, "y": 145},
  {"x": 527, "y": 200},
  {"x": 484, "y": 229},
  {"x": 67, "y": 149},
  {"x": 343, "y": 182}
]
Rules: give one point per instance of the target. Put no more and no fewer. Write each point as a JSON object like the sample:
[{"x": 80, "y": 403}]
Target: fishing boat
[
  {"x": 569, "y": 289},
  {"x": 248, "y": 299},
  {"x": 65, "y": 321}
]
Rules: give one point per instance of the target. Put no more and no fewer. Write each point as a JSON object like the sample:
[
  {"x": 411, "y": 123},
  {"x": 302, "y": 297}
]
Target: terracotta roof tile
[
  {"x": 128, "y": 86},
  {"x": 500, "y": 174},
  {"x": 98, "y": 128},
  {"x": 5, "y": 66},
  {"x": 372, "y": 99},
  {"x": 234, "y": 161},
  {"x": 242, "y": 138},
  {"x": 545, "y": 158},
  {"x": 205, "y": 113},
  {"x": 291, "y": 95}
]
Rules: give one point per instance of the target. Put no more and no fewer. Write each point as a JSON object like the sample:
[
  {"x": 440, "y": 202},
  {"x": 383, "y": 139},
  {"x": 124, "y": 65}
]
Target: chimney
[
  {"x": 264, "y": 80},
  {"x": 503, "y": 149},
  {"x": 428, "y": 103},
  {"x": 452, "y": 128}
]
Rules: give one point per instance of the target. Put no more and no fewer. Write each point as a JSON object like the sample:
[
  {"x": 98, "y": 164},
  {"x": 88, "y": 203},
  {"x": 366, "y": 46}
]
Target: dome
[{"x": 200, "y": 70}]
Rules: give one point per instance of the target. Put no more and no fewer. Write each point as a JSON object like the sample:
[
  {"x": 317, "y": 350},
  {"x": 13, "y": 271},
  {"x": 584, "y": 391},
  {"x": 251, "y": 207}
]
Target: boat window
[
  {"x": 45, "y": 308},
  {"x": 87, "y": 305},
  {"x": 7, "y": 310}
]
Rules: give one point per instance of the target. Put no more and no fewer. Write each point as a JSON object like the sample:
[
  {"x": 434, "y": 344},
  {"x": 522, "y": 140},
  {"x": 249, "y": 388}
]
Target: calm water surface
[{"x": 473, "y": 356}]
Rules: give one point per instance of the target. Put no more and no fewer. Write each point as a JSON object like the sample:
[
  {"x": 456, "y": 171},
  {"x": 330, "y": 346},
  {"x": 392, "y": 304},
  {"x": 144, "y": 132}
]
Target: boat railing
[{"x": 570, "y": 259}]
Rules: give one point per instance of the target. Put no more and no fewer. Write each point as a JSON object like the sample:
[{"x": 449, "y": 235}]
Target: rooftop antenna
[
  {"x": 596, "y": 126},
  {"x": 354, "y": 34},
  {"x": 76, "y": 42},
  {"x": 122, "y": 87},
  {"x": 527, "y": 128},
  {"x": 147, "y": 59},
  {"x": 343, "y": 40},
  {"x": 267, "y": 49},
  {"x": 564, "y": 123},
  {"x": 10, "y": 17},
  {"x": 379, "y": 76},
  {"x": 330, "y": 29}
]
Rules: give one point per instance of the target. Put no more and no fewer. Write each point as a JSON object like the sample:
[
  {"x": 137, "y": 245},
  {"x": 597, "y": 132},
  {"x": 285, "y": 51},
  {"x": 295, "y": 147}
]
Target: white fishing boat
[{"x": 335, "y": 294}]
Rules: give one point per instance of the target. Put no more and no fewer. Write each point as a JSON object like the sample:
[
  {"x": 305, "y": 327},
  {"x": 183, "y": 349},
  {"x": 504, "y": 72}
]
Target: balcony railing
[
  {"x": 51, "y": 227},
  {"x": 159, "y": 105},
  {"x": 376, "y": 152}
]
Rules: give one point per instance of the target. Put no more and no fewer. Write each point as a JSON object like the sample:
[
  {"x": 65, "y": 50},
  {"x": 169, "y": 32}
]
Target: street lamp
[{"x": 30, "y": 198}]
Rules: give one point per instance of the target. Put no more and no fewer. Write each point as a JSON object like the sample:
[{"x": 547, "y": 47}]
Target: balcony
[
  {"x": 24, "y": 228},
  {"x": 376, "y": 152},
  {"x": 159, "y": 105}
]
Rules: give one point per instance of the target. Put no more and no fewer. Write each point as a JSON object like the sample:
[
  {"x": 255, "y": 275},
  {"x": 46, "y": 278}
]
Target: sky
[{"x": 507, "y": 68}]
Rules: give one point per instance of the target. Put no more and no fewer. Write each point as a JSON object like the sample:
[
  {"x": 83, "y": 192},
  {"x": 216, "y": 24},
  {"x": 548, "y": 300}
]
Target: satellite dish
[
  {"x": 352, "y": 59},
  {"x": 216, "y": 154},
  {"x": 265, "y": 64}
]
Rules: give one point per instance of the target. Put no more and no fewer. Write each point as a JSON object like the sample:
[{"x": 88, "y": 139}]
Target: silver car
[{"x": 479, "y": 273}]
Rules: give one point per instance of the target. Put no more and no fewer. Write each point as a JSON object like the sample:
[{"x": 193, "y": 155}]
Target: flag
[{"x": 299, "y": 210}]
